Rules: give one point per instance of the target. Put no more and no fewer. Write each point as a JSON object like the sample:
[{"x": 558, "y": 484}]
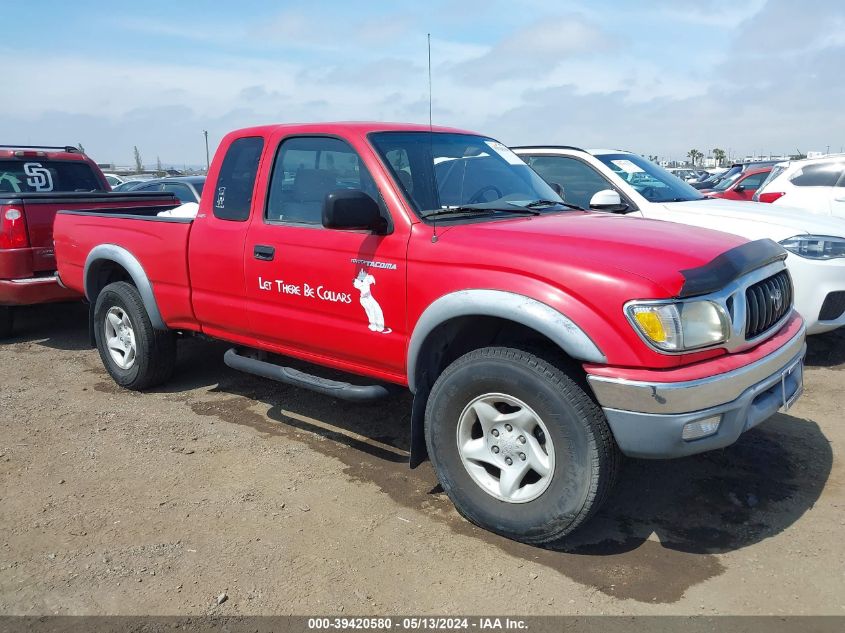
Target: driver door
[{"x": 318, "y": 292}]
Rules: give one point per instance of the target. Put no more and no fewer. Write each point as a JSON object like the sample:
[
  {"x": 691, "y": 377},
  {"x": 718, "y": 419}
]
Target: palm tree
[
  {"x": 694, "y": 155},
  {"x": 719, "y": 155}
]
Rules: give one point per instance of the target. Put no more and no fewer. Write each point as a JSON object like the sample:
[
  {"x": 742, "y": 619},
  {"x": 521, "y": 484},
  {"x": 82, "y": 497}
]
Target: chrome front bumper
[{"x": 648, "y": 418}]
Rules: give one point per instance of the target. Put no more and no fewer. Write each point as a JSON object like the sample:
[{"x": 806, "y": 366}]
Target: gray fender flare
[
  {"x": 119, "y": 255},
  {"x": 506, "y": 305}
]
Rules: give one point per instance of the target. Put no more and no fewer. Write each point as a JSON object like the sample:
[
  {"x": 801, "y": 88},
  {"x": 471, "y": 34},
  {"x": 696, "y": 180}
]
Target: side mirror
[
  {"x": 352, "y": 209},
  {"x": 557, "y": 188},
  {"x": 739, "y": 188},
  {"x": 608, "y": 200}
]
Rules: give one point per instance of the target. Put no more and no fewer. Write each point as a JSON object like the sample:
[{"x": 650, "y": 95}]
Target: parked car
[
  {"x": 731, "y": 172},
  {"x": 627, "y": 183},
  {"x": 709, "y": 182},
  {"x": 741, "y": 186},
  {"x": 130, "y": 185},
  {"x": 816, "y": 185},
  {"x": 685, "y": 174},
  {"x": 186, "y": 188},
  {"x": 537, "y": 340},
  {"x": 114, "y": 180},
  {"x": 35, "y": 182}
]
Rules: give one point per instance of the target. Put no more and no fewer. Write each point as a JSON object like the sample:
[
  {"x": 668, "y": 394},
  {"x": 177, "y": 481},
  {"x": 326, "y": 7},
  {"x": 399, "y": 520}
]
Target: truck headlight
[
  {"x": 681, "y": 326},
  {"x": 815, "y": 246}
]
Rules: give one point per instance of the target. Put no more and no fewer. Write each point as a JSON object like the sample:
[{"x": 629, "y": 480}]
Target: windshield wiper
[
  {"x": 478, "y": 210},
  {"x": 551, "y": 203}
]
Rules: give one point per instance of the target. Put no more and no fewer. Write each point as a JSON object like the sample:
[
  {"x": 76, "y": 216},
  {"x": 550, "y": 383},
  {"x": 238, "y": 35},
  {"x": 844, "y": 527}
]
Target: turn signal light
[
  {"x": 772, "y": 196},
  {"x": 12, "y": 228},
  {"x": 652, "y": 326}
]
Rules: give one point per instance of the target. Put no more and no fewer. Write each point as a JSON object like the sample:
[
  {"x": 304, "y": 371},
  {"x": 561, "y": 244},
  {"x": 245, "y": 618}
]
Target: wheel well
[
  {"x": 103, "y": 273},
  {"x": 454, "y": 338}
]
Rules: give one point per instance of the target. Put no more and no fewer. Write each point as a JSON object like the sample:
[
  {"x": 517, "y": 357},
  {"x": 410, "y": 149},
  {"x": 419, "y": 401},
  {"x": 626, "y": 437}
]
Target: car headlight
[
  {"x": 681, "y": 326},
  {"x": 815, "y": 246}
]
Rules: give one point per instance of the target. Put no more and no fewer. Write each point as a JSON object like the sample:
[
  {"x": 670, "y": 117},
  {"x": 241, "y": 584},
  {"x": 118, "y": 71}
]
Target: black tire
[
  {"x": 586, "y": 456},
  {"x": 155, "y": 355},
  {"x": 7, "y": 321}
]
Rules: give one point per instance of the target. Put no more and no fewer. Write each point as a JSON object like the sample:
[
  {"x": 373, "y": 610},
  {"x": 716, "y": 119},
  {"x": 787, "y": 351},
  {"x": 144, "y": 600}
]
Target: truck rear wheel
[
  {"x": 136, "y": 355},
  {"x": 7, "y": 321},
  {"x": 518, "y": 446}
]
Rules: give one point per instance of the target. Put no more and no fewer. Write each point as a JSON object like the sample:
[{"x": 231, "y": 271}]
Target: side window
[
  {"x": 579, "y": 181},
  {"x": 818, "y": 175},
  {"x": 182, "y": 191},
  {"x": 235, "y": 184},
  {"x": 753, "y": 182},
  {"x": 307, "y": 168}
]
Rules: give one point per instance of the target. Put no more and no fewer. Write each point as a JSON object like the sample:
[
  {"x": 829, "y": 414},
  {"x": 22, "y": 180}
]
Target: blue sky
[{"x": 658, "y": 77}]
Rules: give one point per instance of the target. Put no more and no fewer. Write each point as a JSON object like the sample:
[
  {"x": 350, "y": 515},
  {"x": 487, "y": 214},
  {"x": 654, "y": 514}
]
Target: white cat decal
[{"x": 374, "y": 312}]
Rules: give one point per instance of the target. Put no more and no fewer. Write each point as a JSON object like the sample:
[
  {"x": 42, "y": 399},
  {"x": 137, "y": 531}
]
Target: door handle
[{"x": 264, "y": 253}]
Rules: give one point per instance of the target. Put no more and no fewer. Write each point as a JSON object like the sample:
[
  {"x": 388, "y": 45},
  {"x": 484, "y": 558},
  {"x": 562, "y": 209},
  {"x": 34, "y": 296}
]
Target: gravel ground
[{"x": 288, "y": 502}]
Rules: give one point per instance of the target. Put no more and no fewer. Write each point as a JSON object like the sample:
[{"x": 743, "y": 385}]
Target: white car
[
  {"x": 813, "y": 184},
  {"x": 114, "y": 180},
  {"x": 623, "y": 182}
]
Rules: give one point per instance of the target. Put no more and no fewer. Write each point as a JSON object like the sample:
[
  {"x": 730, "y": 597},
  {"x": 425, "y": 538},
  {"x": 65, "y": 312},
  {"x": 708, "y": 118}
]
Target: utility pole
[{"x": 207, "y": 161}]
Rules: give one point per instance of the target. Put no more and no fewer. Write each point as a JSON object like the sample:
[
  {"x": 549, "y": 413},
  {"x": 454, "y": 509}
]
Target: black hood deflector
[{"x": 730, "y": 265}]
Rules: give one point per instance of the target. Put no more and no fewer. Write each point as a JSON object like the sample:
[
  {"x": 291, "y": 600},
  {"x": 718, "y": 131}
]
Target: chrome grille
[{"x": 767, "y": 302}]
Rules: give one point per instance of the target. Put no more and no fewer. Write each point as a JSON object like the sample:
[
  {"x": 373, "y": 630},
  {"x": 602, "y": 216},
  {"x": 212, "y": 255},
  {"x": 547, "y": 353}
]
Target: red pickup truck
[
  {"x": 35, "y": 182},
  {"x": 539, "y": 340}
]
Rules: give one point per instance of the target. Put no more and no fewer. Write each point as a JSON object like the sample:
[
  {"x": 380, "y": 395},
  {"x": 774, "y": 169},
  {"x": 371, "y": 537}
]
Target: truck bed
[{"x": 159, "y": 244}]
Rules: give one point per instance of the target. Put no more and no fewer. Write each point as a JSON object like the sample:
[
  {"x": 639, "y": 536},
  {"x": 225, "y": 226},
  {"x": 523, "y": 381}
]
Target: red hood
[{"x": 597, "y": 244}]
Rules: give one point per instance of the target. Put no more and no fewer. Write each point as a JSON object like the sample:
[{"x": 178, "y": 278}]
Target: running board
[{"x": 291, "y": 376}]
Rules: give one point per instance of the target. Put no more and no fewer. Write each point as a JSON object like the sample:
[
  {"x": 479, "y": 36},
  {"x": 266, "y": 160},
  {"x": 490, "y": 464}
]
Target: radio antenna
[
  {"x": 431, "y": 141},
  {"x": 430, "y": 126}
]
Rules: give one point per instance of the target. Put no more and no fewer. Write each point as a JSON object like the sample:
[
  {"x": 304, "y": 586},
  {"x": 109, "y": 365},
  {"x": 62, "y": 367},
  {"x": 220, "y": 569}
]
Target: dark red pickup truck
[
  {"x": 539, "y": 340},
  {"x": 35, "y": 182}
]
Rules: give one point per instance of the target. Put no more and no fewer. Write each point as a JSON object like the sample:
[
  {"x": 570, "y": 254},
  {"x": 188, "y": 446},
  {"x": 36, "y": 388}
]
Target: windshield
[
  {"x": 439, "y": 171},
  {"x": 727, "y": 182},
  {"x": 42, "y": 175},
  {"x": 653, "y": 183}
]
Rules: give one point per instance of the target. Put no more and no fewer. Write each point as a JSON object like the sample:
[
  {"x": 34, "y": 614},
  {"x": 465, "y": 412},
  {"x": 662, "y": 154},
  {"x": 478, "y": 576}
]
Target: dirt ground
[{"x": 292, "y": 503}]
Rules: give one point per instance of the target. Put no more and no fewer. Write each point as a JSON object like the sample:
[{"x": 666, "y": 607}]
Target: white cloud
[{"x": 534, "y": 50}]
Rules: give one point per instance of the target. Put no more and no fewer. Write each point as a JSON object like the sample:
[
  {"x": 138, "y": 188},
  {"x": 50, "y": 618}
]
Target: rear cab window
[
  {"x": 236, "y": 181},
  {"x": 44, "y": 176}
]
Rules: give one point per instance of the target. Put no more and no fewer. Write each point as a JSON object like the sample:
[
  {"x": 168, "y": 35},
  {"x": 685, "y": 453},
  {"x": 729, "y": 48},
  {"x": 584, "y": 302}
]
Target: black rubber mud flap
[{"x": 419, "y": 451}]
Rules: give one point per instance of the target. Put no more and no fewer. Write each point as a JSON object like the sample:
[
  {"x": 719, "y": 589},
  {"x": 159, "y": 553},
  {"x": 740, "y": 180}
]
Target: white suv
[
  {"x": 622, "y": 182},
  {"x": 815, "y": 184}
]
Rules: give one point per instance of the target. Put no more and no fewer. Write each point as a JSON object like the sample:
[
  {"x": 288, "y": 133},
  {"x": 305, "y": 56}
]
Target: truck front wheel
[
  {"x": 136, "y": 355},
  {"x": 519, "y": 447}
]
